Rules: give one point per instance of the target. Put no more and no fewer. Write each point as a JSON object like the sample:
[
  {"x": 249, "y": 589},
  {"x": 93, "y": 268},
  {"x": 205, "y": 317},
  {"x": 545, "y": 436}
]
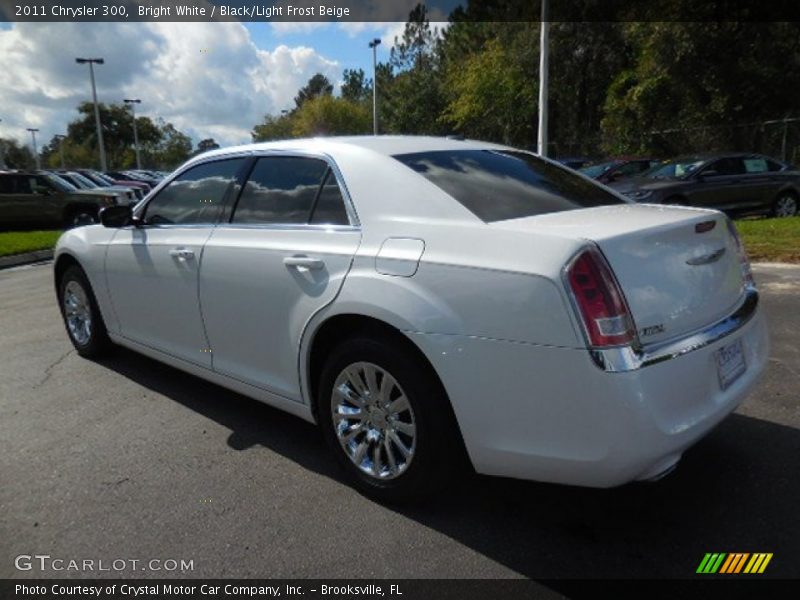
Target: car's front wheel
[
  {"x": 81, "y": 315},
  {"x": 388, "y": 420}
]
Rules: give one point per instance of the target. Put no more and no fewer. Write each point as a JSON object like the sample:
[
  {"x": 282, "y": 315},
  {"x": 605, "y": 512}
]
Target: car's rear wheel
[
  {"x": 785, "y": 205},
  {"x": 81, "y": 315},
  {"x": 388, "y": 421}
]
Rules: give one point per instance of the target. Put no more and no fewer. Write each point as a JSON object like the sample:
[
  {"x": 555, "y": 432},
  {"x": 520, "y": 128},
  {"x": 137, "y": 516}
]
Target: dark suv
[
  {"x": 39, "y": 199},
  {"x": 736, "y": 183}
]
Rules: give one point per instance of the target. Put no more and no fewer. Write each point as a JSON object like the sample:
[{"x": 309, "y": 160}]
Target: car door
[
  {"x": 282, "y": 257},
  {"x": 761, "y": 181},
  {"x": 719, "y": 185},
  {"x": 152, "y": 269}
]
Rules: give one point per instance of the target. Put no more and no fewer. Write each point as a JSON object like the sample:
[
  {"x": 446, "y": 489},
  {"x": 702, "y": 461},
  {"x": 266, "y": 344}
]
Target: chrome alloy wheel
[
  {"x": 373, "y": 420},
  {"x": 77, "y": 312},
  {"x": 786, "y": 206}
]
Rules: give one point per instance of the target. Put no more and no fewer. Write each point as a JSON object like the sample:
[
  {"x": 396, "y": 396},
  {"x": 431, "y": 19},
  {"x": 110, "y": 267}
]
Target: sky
[{"x": 208, "y": 79}]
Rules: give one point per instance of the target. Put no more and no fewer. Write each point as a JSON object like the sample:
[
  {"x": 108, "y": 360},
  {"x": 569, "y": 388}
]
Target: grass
[
  {"x": 771, "y": 240},
  {"x": 17, "y": 242}
]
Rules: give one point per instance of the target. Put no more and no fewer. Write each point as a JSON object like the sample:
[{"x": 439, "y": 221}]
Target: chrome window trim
[{"x": 626, "y": 358}]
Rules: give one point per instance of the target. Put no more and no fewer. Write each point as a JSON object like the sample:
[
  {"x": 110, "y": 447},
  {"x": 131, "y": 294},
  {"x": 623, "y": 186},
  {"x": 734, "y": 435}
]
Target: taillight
[
  {"x": 599, "y": 300},
  {"x": 744, "y": 262}
]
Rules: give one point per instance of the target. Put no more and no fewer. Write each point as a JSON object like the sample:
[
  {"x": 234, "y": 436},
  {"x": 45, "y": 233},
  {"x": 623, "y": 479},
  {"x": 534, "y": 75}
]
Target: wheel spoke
[
  {"x": 387, "y": 446},
  {"x": 361, "y": 450},
  {"x": 354, "y": 378},
  {"x": 408, "y": 428},
  {"x": 398, "y": 405},
  {"x": 372, "y": 383},
  {"x": 406, "y": 452},
  {"x": 351, "y": 433},
  {"x": 350, "y": 395},
  {"x": 376, "y": 460}
]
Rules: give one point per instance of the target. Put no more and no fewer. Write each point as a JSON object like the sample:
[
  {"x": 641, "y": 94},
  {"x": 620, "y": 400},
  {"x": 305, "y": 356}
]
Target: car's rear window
[{"x": 500, "y": 185}]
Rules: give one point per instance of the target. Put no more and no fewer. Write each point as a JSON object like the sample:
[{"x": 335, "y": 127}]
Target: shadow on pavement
[{"x": 736, "y": 491}]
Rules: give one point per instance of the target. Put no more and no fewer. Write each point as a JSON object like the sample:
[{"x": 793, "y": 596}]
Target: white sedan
[{"x": 431, "y": 303}]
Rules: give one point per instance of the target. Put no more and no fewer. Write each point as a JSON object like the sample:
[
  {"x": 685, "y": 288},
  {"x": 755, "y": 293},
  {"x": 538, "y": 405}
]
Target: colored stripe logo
[{"x": 734, "y": 562}]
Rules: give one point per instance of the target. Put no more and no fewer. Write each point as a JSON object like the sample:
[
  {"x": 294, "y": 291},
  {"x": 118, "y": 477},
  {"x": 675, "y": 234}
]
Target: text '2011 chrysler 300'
[{"x": 427, "y": 301}]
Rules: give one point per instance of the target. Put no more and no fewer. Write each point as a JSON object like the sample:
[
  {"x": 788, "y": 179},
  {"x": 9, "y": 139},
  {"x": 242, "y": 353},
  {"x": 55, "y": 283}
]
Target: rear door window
[
  {"x": 281, "y": 190},
  {"x": 499, "y": 185}
]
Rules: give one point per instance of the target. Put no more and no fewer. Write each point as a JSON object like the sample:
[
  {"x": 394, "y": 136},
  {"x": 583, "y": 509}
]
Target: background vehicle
[
  {"x": 735, "y": 183},
  {"x": 41, "y": 199},
  {"x": 618, "y": 168},
  {"x": 425, "y": 300},
  {"x": 97, "y": 176},
  {"x": 124, "y": 194},
  {"x": 574, "y": 162}
]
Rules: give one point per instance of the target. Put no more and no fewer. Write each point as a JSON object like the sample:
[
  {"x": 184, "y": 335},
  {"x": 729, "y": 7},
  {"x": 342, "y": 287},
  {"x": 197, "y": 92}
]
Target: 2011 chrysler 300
[{"x": 425, "y": 300}]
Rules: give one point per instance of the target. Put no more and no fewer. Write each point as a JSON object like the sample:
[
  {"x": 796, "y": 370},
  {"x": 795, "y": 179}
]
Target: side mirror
[{"x": 116, "y": 216}]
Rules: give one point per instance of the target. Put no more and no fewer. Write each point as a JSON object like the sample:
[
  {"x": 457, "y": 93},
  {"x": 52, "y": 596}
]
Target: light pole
[
  {"x": 60, "y": 139},
  {"x": 132, "y": 103},
  {"x": 2, "y": 152},
  {"x": 544, "y": 57},
  {"x": 92, "y": 62},
  {"x": 35, "y": 151},
  {"x": 374, "y": 45}
]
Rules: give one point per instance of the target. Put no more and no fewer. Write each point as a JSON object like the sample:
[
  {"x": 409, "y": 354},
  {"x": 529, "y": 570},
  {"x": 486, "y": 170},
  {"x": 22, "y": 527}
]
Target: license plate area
[{"x": 730, "y": 363}]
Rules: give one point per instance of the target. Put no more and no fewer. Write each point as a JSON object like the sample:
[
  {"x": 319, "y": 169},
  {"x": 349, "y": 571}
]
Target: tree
[
  {"x": 413, "y": 97},
  {"x": 16, "y": 156},
  {"x": 318, "y": 85},
  {"x": 326, "y": 115},
  {"x": 356, "y": 87},
  {"x": 273, "y": 128},
  {"x": 205, "y": 145},
  {"x": 174, "y": 149}
]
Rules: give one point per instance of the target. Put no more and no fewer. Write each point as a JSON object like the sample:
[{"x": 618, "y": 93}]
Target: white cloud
[{"x": 208, "y": 79}]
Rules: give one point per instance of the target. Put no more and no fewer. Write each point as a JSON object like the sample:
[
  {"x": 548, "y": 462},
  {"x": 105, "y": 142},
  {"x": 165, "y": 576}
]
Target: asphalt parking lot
[{"x": 131, "y": 459}]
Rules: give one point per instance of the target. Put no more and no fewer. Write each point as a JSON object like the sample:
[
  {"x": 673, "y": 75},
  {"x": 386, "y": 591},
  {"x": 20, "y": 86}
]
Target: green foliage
[
  {"x": 318, "y": 85},
  {"x": 273, "y": 128},
  {"x": 18, "y": 242},
  {"x": 326, "y": 115},
  {"x": 15, "y": 156},
  {"x": 356, "y": 87}
]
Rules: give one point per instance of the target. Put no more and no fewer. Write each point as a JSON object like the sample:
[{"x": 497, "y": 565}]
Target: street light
[
  {"x": 544, "y": 59},
  {"x": 132, "y": 103},
  {"x": 60, "y": 139},
  {"x": 35, "y": 151},
  {"x": 374, "y": 45},
  {"x": 2, "y": 152},
  {"x": 92, "y": 62}
]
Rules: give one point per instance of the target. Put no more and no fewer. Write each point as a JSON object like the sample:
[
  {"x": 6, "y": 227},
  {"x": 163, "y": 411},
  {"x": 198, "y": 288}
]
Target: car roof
[{"x": 387, "y": 145}]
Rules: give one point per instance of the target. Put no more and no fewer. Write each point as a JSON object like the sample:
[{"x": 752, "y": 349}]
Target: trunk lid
[{"x": 678, "y": 267}]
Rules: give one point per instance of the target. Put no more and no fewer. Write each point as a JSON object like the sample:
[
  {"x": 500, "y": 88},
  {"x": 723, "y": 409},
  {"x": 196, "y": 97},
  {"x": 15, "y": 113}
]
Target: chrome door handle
[
  {"x": 305, "y": 262},
  {"x": 182, "y": 253}
]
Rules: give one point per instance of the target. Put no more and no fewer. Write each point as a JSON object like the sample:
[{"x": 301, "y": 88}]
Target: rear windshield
[{"x": 499, "y": 185}]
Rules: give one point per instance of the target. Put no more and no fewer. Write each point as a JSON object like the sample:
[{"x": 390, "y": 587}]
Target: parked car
[
  {"x": 574, "y": 162},
  {"x": 618, "y": 168},
  {"x": 736, "y": 183},
  {"x": 99, "y": 177},
  {"x": 121, "y": 177},
  {"x": 81, "y": 182},
  {"x": 425, "y": 300},
  {"x": 28, "y": 198}
]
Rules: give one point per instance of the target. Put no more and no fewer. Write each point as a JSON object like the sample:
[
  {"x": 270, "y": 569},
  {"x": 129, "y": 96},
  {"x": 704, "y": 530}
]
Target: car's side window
[
  {"x": 195, "y": 197},
  {"x": 756, "y": 165},
  {"x": 330, "y": 209},
  {"x": 280, "y": 190},
  {"x": 726, "y": 166}
]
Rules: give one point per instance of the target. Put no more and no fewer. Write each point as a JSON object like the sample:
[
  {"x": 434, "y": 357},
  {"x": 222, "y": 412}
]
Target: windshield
[
  {"x": 87, "y": 183},
  {"x": 499, "y": 185},
  {"x": 60, "y": 184},
  {"x": 599, "y": 169},
  {"x": 679, "y": 167}
]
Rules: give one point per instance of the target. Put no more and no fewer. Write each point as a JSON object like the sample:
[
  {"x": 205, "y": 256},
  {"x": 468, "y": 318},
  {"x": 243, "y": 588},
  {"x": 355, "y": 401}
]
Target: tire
[
  {"x": 419, "y": 448},
  {"x": 785, "y": 205},
  {"x": 82, "y": 319},
  {"x": 79, "y": 217}
]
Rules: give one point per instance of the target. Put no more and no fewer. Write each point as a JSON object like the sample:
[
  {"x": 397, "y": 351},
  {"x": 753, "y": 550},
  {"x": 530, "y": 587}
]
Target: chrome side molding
[{"x": 628, "y": 358}]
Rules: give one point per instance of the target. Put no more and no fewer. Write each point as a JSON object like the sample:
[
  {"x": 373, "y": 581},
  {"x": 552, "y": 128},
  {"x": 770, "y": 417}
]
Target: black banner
[
  {"x": 730, "y": 588},
  {"x": 396, "y": 10}
]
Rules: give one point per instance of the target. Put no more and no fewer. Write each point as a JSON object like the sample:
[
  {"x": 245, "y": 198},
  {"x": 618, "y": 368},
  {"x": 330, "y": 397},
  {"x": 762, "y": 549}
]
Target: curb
[{"x": 15, "y": 260}]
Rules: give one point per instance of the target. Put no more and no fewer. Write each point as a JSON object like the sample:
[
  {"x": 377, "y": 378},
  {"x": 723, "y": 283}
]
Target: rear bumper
[{"x": 549, "y": 414}]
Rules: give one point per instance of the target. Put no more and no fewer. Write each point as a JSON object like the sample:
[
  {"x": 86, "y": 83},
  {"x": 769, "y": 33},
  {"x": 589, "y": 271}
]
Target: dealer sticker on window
[{"x": 730, "y": 363}]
